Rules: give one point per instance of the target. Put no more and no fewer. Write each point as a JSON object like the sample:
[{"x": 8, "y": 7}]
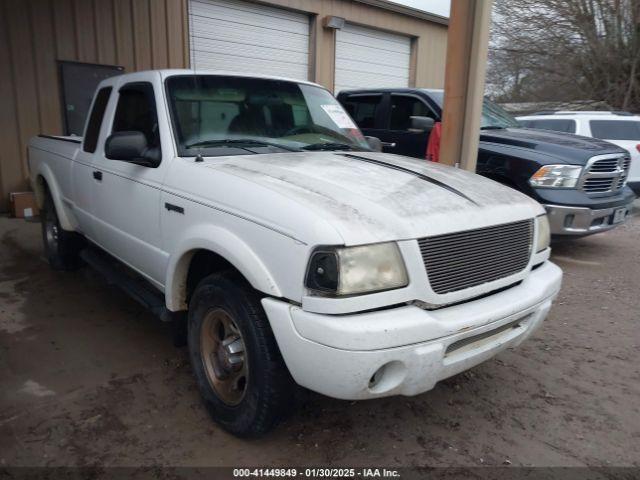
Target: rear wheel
[
  {"x": 238, "y": 366},
  {"x": 61, "y": 248}
]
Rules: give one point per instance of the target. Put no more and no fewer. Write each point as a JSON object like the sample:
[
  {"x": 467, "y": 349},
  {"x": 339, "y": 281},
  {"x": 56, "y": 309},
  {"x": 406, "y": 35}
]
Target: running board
[{"x": 115, "y": 273}]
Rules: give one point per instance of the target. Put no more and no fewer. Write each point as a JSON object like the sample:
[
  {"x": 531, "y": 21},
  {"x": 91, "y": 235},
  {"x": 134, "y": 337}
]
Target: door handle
[
  {"x": 173, "y": 208},
  {"x": 97, "y": 175},
  {"x": 389, "y": 144}
]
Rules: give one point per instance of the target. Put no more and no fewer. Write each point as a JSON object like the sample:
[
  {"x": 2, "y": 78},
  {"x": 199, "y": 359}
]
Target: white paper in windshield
[{"x": 338, "y": 116}]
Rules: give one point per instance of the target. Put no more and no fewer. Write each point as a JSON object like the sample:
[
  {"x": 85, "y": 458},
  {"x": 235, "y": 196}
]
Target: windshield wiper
[
  {"x": 329, "y": 146},
  {"x": 492, "y": 127},
  {"x": 240, "y": 143}
]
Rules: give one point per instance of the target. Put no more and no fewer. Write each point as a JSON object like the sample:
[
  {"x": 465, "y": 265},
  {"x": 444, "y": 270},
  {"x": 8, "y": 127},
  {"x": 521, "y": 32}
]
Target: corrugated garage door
[
  {"x": 366, "y": 57},
  {"x": 246, "y": 37}
]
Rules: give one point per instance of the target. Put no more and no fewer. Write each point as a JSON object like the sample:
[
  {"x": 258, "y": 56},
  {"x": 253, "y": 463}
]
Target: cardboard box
[{"x": 23, "y": 204}]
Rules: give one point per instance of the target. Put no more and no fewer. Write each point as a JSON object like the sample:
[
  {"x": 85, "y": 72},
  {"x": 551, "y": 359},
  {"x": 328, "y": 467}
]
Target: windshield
[
  {"x": 494, "y": 116},
  {"x": 224, "y": 115}
]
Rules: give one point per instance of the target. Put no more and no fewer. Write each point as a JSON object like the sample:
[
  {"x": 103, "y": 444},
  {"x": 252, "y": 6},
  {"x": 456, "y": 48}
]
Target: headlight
[
  {"x": 556, "y": 176},
  {"x": 351, "y": 270},
  {"x": 544, "y": 233}
]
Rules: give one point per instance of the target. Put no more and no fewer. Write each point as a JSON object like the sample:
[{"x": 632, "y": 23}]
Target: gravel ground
[{"x": 88, "y": 378}]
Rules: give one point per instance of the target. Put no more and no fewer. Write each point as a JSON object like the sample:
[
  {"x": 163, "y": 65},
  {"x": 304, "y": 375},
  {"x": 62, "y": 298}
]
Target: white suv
[{"x": 620, "y": 128}]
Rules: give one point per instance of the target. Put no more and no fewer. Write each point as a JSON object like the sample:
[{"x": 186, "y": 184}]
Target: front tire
[
  {"x": 235, "y": 358},
  {"x": 61, "y": 248}
]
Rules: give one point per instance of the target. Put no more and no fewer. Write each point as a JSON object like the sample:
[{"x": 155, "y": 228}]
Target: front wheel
[{"x": 238, "y": 366}]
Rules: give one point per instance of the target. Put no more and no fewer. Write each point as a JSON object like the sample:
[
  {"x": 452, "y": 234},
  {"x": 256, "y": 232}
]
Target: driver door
[
  {"x": 127, "y": 196},
  {"x": 398, "y": 137}
]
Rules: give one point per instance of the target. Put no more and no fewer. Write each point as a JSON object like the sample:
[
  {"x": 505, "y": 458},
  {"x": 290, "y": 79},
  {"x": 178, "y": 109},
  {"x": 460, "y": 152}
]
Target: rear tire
[
  {"x": 61, "y": 248},
  {"x": 235, "y": 358}
]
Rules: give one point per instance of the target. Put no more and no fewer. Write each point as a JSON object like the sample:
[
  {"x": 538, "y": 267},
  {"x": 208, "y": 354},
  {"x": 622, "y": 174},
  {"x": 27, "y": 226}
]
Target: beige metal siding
[{"x": 34, "y": 34}]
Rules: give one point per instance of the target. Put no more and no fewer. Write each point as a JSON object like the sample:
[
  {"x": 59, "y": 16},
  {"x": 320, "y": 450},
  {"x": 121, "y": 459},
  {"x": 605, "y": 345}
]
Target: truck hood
[
  {"x": 367, "y": 197},
  {"x": 568, "y": 148}
]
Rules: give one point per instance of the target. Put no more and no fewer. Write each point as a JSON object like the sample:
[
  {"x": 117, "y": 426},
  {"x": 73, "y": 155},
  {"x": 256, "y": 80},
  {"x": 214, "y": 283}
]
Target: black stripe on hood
[{"x": 411, "y": 172}]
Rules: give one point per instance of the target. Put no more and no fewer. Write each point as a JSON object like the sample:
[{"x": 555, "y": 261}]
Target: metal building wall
[
  {"x": 428, "y": 52},
  {"x": 34, "y": 34}
]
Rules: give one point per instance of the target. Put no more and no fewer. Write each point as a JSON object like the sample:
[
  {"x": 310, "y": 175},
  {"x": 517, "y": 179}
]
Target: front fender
[{"x": 221, "y": 242}]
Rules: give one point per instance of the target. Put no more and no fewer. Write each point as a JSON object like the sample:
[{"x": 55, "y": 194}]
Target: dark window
[
  {"x": 136, "y": 111},
  {"x": 363, "y": 109},
  {"x": 78, "y": 82},
  {"x": 615, "y": 129},
  {"x": 403, "y": 108},
  {"x": 95, "y": 120},
  {"x": 557, "y": 125}
]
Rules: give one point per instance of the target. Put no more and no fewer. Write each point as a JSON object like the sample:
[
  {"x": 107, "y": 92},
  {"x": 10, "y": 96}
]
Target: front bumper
[
  {"x": 407, "y": 350},
  {"x": 580, "y": 221}
]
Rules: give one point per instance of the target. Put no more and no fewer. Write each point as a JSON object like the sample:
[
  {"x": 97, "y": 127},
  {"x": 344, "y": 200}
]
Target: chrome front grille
[
  {"x": 455, "y": 261},
  {"x": 605, "y": 174}
]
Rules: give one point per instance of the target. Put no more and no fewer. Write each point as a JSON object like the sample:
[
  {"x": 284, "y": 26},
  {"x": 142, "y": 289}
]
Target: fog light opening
[
  {"x": 375, "y": 378},
  {"x": 387, "y": 377},
  {"x": 568, "y": 220}
]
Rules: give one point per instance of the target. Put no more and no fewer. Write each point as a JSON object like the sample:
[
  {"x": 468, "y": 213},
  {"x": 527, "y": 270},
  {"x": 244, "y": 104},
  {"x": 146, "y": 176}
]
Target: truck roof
[
  {"x": 582, "y": 115},
  {"x": 618, "y": 113},
  {"x": 394, "y": 90},
  {"x": 165, "y": 73}
]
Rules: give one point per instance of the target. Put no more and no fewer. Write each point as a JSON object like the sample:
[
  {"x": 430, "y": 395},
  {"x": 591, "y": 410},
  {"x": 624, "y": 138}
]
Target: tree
[{"x": 563, "y": 50}]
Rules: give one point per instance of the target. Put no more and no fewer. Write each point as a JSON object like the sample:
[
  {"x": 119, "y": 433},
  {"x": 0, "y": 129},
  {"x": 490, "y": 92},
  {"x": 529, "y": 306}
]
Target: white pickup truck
[{"x": 254, "y": 208}]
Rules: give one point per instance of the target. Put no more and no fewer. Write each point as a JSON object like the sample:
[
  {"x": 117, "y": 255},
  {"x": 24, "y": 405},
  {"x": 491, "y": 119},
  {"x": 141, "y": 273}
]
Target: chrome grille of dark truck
[
  {"x": 606, "y": 175},
  {"x": 455, "y": 261}
]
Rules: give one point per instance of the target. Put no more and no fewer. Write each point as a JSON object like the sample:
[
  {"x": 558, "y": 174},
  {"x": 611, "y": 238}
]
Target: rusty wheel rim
[{"x": 223, "y": 355}]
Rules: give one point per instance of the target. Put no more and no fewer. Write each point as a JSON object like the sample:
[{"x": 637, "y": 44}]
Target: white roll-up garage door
[
  {"x": 369, "y": 58},
  {"x": 246, "y": 37}
]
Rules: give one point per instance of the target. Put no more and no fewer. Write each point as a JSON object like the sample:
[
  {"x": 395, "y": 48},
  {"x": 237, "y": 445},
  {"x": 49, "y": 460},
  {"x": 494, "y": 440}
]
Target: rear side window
[
  {"x": 557, "y": 125},
  {"x": 363, "y": 109},
  {"x": 95, "y": 120},
  {"x": 403, "y": 108},
  {"x": 136, "y": 111},
  {"x": 615, "y": 129}
]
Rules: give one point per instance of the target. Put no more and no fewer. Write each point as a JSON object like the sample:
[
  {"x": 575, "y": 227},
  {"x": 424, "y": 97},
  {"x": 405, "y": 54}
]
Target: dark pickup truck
[{"x": 580, "y": 181}]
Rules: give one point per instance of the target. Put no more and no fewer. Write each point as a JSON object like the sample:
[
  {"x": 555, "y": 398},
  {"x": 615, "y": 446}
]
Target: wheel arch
[
  {"x": 201, "y": 256},
  {"x": 44, "y": 181}
]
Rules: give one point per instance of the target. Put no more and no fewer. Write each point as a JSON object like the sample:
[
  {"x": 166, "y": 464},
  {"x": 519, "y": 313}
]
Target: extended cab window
[
  {"x": 557, "y": 125},
  {"x": 136, "y": 111},
  {"x": 95, "y": 120},
  {"x": 615, "y": 129},
  {"x": 363, "y": 109},
  {"x": 404, "y": 107}
]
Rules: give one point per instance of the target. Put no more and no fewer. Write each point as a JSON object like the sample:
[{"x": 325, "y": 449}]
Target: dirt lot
[{"x": 89, "y": 378}]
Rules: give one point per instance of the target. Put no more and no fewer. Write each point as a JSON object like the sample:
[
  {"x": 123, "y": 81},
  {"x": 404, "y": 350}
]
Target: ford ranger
[{"x": 254, "y": 210}]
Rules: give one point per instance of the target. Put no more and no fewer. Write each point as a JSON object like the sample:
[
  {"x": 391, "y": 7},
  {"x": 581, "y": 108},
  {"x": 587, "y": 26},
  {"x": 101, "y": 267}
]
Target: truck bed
[{"x": 63, "y": 146}]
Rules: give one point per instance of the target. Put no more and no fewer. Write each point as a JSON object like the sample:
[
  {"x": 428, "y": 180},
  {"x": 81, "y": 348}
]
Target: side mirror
[
  {"x": 374, "y": 143},
  {"x": 421, "y": 124},
  {"x": 131, "y": 147}
]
